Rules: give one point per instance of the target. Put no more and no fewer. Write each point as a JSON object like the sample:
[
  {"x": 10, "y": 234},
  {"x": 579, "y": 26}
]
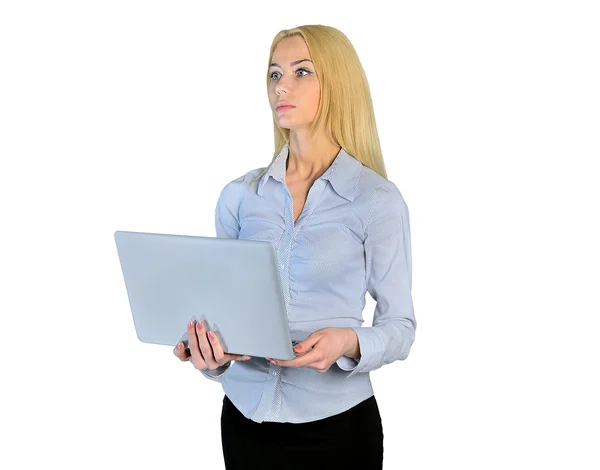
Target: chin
[{"x": 285, "y": 123}]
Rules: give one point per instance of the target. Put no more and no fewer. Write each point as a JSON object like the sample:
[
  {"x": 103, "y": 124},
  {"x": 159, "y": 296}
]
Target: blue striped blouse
[{"x": 352, "y": 236}]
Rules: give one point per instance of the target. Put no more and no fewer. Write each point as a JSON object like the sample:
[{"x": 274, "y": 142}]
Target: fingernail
[{"x": 211, "y": 335}]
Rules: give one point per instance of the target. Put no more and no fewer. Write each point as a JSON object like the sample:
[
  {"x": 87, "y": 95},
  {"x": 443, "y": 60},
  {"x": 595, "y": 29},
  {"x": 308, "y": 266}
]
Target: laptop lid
[{"x": 232, "y": 285}]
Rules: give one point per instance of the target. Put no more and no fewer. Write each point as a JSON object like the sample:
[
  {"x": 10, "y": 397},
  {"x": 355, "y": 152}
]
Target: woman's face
[{"x": 295, "y": 82}]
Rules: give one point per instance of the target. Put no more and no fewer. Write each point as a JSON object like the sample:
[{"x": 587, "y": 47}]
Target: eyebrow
[{"x": 292, "y": 64}]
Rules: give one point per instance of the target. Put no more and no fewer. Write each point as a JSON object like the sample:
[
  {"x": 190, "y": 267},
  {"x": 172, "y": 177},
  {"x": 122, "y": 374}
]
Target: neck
[{"x": 310, "y": 157}]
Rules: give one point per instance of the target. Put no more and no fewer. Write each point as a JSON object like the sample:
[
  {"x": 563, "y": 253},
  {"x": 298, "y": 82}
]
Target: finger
[
  {"x": 302, "y": 348},
  {"x": 236, "y": 357},
  {"x": 181, "y": 352},
  {"x": 217, "y": 349},
  {"x": 309, "y": 342},
  {"x": 205, "y": 347},
  {"x": 305, "y": 360},
  {"x": 221, "y": 356},
  {"x": 296, "y": 356},
  {"x": 300, "y": 354},
  {"x": 197, "y": 358}
]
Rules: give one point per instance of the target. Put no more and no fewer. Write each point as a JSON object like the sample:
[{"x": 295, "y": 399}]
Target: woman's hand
[
  {"x": 205, "y": 350},
  {"x": 328, "y": 345}
]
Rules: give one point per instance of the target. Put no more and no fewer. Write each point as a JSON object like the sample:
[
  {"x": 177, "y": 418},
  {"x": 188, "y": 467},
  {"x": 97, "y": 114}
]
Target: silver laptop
[{"x": 231, "y": 285}]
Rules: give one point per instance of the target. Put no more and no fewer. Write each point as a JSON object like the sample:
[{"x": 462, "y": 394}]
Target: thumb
[{"x": 307, "y": 343}]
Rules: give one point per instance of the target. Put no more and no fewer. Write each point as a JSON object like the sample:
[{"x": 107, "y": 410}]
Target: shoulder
[
  {"x": 233, "y": 191},
  {"x": 378, "y": 192}
]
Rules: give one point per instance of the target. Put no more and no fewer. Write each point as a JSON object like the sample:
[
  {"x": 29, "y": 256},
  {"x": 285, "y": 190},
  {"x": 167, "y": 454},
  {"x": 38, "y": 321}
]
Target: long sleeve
[
  {"x": 389, "y": 281},
  {"x": 226, "y": 226}
]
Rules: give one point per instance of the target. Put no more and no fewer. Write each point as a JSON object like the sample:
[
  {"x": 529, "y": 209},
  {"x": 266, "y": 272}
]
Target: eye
[{"x": 299, "y": 70}]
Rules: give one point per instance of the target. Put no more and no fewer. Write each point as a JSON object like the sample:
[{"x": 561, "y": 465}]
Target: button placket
[
  {"x": 312, "y": 200},
  {"x": 269, "y": 407}
]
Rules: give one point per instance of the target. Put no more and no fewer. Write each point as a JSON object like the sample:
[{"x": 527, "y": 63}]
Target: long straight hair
[{"x": 345, "y": 114}]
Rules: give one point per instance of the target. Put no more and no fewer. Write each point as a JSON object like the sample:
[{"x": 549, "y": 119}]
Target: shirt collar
[{"x": 343, "y": 173}]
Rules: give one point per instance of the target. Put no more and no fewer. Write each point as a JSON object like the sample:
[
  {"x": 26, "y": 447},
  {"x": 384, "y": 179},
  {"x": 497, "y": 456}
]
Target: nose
[
  {"x": 282, "y": 86},
  {"x": 279, "y": 89}
]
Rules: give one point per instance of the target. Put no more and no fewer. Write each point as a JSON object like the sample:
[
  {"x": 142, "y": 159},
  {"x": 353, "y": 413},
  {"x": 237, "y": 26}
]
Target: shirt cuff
[
  {"x": 372, "y": 349},
  {"x": 347, "y": 363},
  {"x": 216, "y": 374}
]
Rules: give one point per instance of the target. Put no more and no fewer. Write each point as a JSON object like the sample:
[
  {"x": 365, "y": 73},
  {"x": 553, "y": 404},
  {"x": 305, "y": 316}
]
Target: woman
[{"x": 340, "y": 229}]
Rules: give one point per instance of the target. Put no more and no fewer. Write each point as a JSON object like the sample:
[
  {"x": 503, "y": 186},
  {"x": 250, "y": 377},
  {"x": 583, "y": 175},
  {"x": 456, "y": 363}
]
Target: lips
[{"x": 283, "y": 105}]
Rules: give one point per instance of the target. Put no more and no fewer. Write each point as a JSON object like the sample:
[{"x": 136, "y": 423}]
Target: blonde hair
[{"x": 345, "y": 112}]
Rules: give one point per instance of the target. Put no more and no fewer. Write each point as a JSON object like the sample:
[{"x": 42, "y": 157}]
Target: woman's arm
[
  {"x": 389, "y": 281},
  {"x": 226, "y": 226}
]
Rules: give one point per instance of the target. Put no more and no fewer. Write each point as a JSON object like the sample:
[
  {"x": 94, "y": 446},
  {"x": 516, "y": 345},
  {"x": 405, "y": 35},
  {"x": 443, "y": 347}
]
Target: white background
[{"x": 132, "y": 115}]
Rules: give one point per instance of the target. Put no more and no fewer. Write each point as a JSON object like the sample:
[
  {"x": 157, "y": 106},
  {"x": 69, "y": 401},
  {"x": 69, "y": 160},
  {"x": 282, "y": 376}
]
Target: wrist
[{"x": 352, "y": 346}]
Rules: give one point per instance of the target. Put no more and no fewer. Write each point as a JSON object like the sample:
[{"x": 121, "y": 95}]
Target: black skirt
[{"x": 349, "y": 440}]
